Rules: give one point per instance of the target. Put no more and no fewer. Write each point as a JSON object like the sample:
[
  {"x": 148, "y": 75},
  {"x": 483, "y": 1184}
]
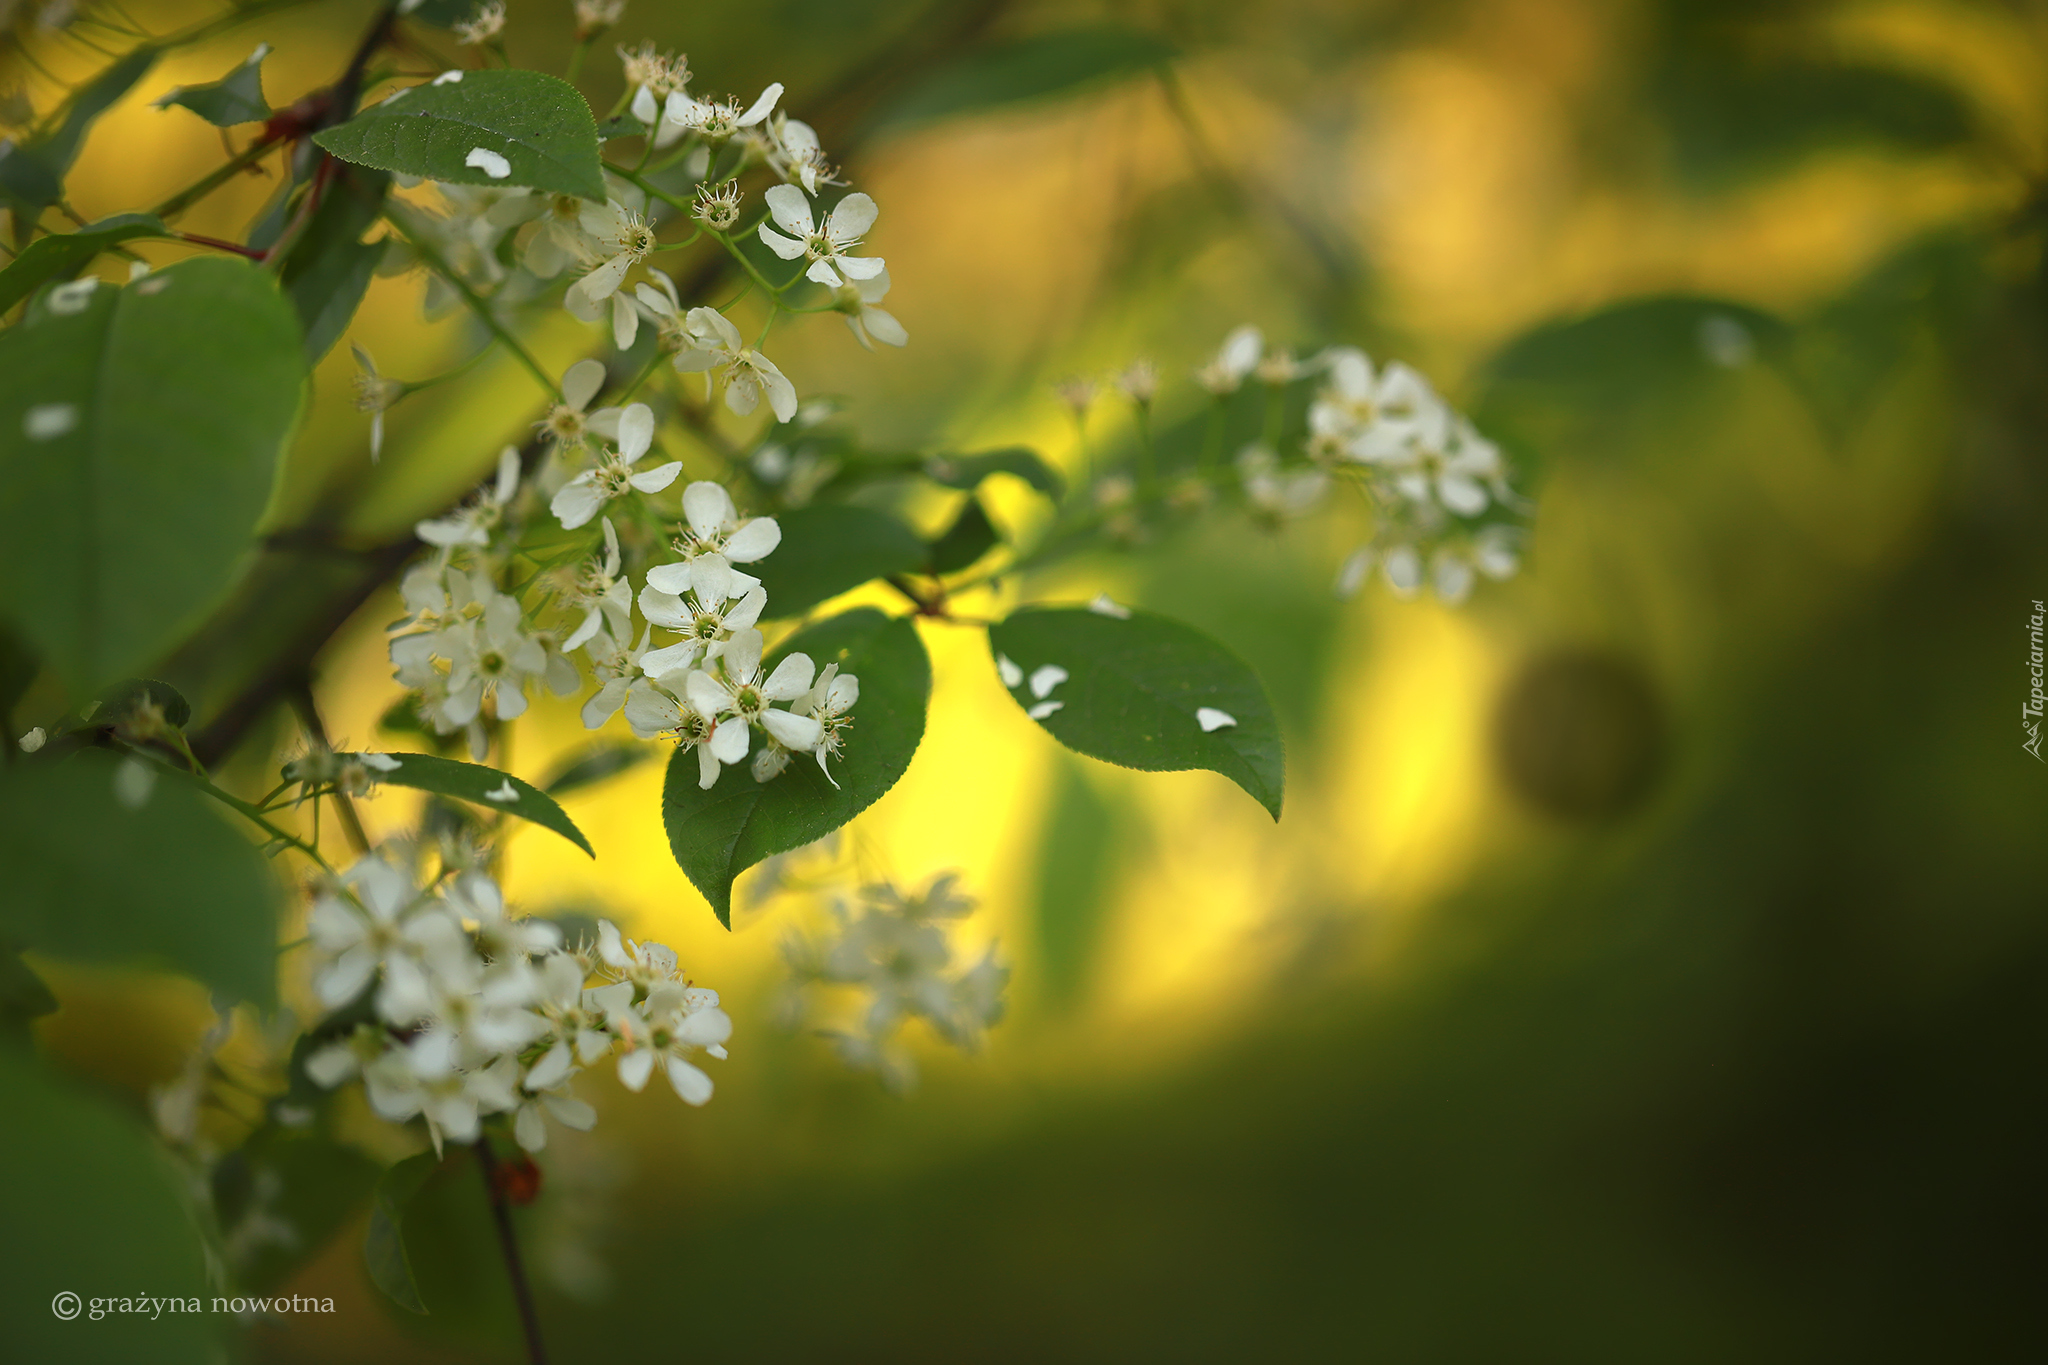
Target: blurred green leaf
[
  {"x": 384, "y": 1241},
  {"x": 1132, "y": 691},
  {"x": 475, "y": 783},
  {"x": 93, "y": 1205},
  {"x": 1040, "y": 67},
  {"x": 233, "y": 99},
  {"x": 967, "y": 471},
  {"x": 538, "y": 123},
  {"x": 971, "y": 536},
  {"x": 23, "y": 997},
  {"x": 830, "y": 548},
  {"x": 443, "y": 13},
  {"x": 595, "y": 763},
  {"x": 720, "y": 833},
  {"x": 304, "y": 1181},
  {"x": 65, "y": 254},
  {"x": 139, "y": 440},
  {"x": 328, "y": 269},
  {"x": 18, "y": 669},
  {"x": 165, "y": 885},
  {"x": 32, "y": 174}
]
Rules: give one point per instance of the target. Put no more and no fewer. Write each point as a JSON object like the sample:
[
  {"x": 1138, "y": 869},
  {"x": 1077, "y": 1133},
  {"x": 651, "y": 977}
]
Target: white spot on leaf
[
  {"x": 69, "y": 299},
  {"x": 1011, "y": 675},
  {"x": 503, "y": 792},
  {"x": 489, "y": 162},
  {"x": 1044, "y": 709},
  {"x": 1045, "y": 679},
  {"x": 48, "y": 421},
  {"x": 1209, "y": 718},
  {"x": 1105, "y": 605},
  {"x": 448, "y": 78}
]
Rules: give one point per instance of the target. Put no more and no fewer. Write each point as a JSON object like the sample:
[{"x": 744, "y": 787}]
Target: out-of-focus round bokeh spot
[{"x": 1579, "y": 734}]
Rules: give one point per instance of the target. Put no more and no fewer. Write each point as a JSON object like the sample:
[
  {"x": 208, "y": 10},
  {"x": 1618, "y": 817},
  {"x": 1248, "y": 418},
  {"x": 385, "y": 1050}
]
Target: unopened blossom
[
  {"x": 582, "y": 497},
  {"x": 1236, "y": 359},
  {"x": 715, "y": 601},
  {"x": 595, "y": 16},
  {"x": 483, "y": 26},
  {"x": 869, "y": 323},
  {"x": 604, "y": 594},
  {"x": 1140, "y": 382},
  {"x": 717, "y": 120},
  {"x": 716, "y": 346},
  {"x": 825, "y": 245},
  {"x": 374, "y": 394},
  {"x": 475, "y": 523}
]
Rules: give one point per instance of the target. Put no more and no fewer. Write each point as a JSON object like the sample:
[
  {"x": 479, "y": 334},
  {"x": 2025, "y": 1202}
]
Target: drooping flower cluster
[
  {"x": 1439, "y": 490},
  {"x": 473, "y": 1011},
  {"x": 896, "y": 950}
]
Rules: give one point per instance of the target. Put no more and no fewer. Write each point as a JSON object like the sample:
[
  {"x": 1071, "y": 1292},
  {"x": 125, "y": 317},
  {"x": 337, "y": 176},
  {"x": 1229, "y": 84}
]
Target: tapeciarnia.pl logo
[{"x": 2030, "y": 713}]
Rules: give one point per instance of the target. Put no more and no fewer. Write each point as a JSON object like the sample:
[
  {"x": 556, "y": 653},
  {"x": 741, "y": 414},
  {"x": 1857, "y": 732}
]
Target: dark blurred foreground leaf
[
  {"x": 309, "y": 1183},
  {"x": 537, "y": 124},
  {"x": 967, "y": 471},
  {"x": 329, "y": 267},
  {"x": 93, "y": 1209},
  {"x": 971, "y": 536},
  {"x": 65, "y": 254},
  {"x": 23, "y": 997},
  {"x": 476, "y": 783},
  {"x": 1034, "y": 68},
  {"x": 384, "y": 1252},
  {"x": 830, "y": 548},
  {"x": 720, "y": 833},
  {"x": 233, "y": 99},
  {"x": 166, "y": 885},
  {"x": 32, "y": 174},
  {"x": 1135, "y": 690},
  {"x": 139, "y": 439}
]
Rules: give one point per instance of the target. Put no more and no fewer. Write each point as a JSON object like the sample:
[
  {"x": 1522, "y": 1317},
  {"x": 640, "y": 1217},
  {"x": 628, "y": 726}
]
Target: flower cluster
[
  {"x": 896, "y": 950},
  {"x": 472, "y": 1011},
  {"x": 1439, "y": 490}
]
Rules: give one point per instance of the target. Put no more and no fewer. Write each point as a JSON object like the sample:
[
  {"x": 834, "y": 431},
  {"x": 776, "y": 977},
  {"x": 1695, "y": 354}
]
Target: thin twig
[{"x": 508, "y": 1242}]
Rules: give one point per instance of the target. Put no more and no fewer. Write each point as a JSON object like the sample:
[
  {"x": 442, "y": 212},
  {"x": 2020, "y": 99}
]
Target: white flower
[
  {"x": 715, "y": 344},
  {"x": 1238, "y": 357},
  {"x": 857, "y": 301},
  {"x": 1373, "y": 418},
  {"x": 566, "y": 423},
  {"x": 673, "y": 1024},
  {"x": 827, "y": 703},
  {"x": 715, "y": 121},
  {"x": 653, "y": 76},
  {"x": 794, "y": 154},
  {"x": 484, "y": 25},
  {"x": 595, "y": 16},
  {"x": 529, "y": 1125},
  {"x": 1455, "y": 472},
  {"x": 615, "y": 665},
  {"x": 605, "y": 596},
  {"x": 377, "y": 918},
  {"x": 618, "y": 239},
  {"x": 1279, "y": 494},
  {"x": 473, "y": 525},
  {"x": 581, "y": 498},
  {"x": 1454, "y": 567},
  {"x": 738, "y": 689},
  {"x": 712, "y": 526},
  {"x": 825, "y": 246},
  {"x": 651, "y": 709},
  {"x": 722, "y": 601},
  {"x": 491, "y": 656}
]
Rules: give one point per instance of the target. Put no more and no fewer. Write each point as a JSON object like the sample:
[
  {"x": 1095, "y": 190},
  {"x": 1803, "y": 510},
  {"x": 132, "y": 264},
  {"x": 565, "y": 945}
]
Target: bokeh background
[{"x": 1650, "y": 962}]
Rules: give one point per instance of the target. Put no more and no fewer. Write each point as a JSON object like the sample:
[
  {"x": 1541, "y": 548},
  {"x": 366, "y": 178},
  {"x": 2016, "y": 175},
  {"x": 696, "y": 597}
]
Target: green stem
[
  {"x": 1148, "y": 470},
  {"x": 236, "y": 804},
  {"x": 206, "y": 185},
  {"x": 646, "y": 373},
  {"x": 635, "y": 178},
  {"x": 576, "y": 56},
  {"x": 477, "y": 305}
]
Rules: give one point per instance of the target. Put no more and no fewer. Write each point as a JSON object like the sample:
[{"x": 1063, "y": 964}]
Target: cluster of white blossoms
[
  {"x": 473, "y": 1011},
  {"x": 466, "y": 644},
  {"x": 1439, "y": 490},
  {"x": 896, "y": 950}
]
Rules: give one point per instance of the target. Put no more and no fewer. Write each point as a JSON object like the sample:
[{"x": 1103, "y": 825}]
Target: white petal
[
  {"x": 1046, "y": 678},
  {"x": 658, "y": 478},
  {"x": 753, "y": 541},
  {"x": 761, "y": 107},
  {"x": 1210, "y": 719},
  {"x": 577, "y": 501},
  {"x": 692, "y": 1085},
  {"x": 670, "y": 578},
  {"x": 850, "y": 221},
  {"x": 599, "y": 285},
  {"x": 859, "y": 267},
  {"x": 791, "y": 679},
  {"x": 730, "y": 740},
  {"x": 636, "y": 431},
  {"x": 788, "y": 248},
  {"x": 884, "y": 327},
  {"x": 635, "y": 1067},
  {"x": 644, "y": 108},
  {"x": 1105, "y": 605},
  {"x": 794, "y": 731},
  {"x": 625, "y": 321},
  {"x": 708, "y": 508}
]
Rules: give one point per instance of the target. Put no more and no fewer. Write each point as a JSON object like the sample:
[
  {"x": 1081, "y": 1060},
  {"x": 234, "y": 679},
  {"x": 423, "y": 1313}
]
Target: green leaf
[
  {"x": 1047, "y": 65},
  {"x": 971, "y": 536},
  {"x": 122, "y": 529},
  {"x": 595, "y": 763},
  {"x": 310, "y": 1183},
  {"x": 538, "y": 123},
  {"x": 329, "y": 268},
  {"x": 623, "y": 126},
  {"x": 718, "y": 834},
  {"x": 829, "y": 548},
  {"x": 474, "y": 782},
  {"x": 1133, "y": 688},
  {"x": 967, "y": 471},
  {"x": 32, "y": 174},
  {"x": 384, "y": 1241},
  {"x": 93, "y": 1205},
  {"x": 233, "y": 99},
  {"x": 443, "y": 13},
  {"x": 63, "y": 256},
  {"x": 167, "y": 885}
]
